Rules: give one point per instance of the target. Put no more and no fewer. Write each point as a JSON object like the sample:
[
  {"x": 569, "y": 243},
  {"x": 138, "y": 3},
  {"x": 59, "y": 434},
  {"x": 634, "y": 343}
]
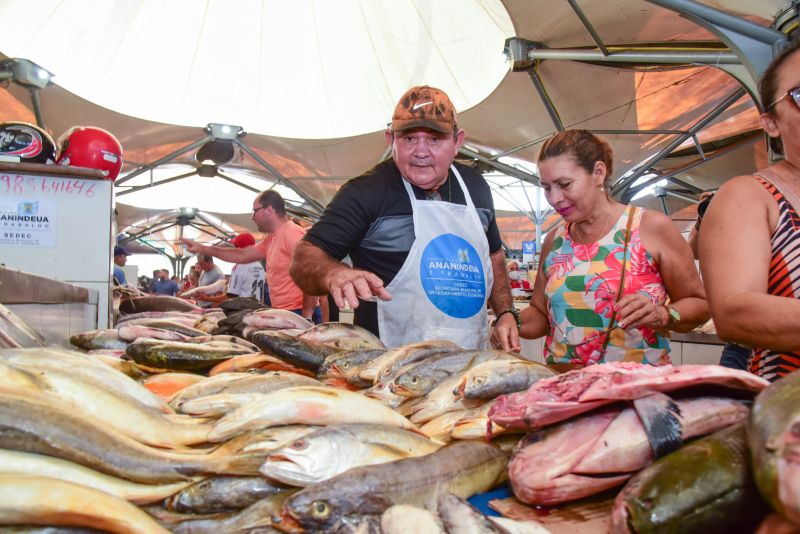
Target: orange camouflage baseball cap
[{"x": 424, "y": 107}]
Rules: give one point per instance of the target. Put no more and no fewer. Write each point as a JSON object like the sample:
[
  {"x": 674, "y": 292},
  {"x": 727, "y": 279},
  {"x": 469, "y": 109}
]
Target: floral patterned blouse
[{"x": 582, "y": 285}]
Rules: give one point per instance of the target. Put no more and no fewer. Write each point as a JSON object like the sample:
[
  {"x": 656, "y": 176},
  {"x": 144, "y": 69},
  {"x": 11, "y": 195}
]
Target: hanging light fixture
[{"x": 216, "y": 152}]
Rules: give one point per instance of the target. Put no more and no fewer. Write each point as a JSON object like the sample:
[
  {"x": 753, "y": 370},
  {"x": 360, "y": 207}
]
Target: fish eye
[
  {"x": 480, "y": 380},
  {"x": 299, "y": 444},
  {"x": 345, "y": 365},
  {"x": 414, "y": 379},
  {"x": 319, "y": 509}
]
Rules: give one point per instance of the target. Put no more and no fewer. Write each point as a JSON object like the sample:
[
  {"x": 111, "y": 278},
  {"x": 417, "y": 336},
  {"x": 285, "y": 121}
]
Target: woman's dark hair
[
  {"x": 768, "y": 87},
  {"x": 584, "y": 147}
]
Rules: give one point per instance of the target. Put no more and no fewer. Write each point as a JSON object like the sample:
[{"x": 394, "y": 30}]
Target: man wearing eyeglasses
[
  {"x": 422, "y": 236},
  {"x": 269, "y": 215}
]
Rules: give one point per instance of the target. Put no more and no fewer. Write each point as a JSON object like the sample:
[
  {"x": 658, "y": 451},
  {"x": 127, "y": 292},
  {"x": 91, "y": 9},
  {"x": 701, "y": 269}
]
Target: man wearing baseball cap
[
  {"x": 120, "y": 259},
  {"x": 422, "y": 236}
]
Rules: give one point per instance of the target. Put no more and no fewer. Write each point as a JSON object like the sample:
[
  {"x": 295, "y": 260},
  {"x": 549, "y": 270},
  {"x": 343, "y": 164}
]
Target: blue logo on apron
[{"x": 452, "y": 276}]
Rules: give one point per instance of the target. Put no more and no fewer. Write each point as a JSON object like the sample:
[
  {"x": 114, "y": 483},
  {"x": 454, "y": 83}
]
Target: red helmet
[
  {"x": 28, "y": 143},
  {"x": 95, "y": 148}
]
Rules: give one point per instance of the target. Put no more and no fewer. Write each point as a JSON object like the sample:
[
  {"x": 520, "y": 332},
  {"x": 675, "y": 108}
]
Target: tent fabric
[
  {"x": 319, "y": 150},
  {"x": 304, "y": 69}
]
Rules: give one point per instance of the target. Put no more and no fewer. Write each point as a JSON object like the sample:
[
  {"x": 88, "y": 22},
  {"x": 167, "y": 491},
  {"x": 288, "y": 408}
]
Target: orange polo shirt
[{"x": 278, "y": 250}]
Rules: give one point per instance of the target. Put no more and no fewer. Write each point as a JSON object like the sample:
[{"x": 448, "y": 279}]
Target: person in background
[
  {"x": 120, "y": 259},
  {"x": 515, "y": 280},
  {"x": 186, "y": 283},
  {"x": 156, "y": 276},
  {"x": 194, "y": 279},
  {"x": 209, "y": 273},
  {"x": 163, "y": 285},
  {"x": 607, "y": 271},
  {"x": 246, "y": 280},
  {"x": 144, "y": 284},
  {"x": 734, "y": 356},
  {"x": 422, "y": 235},
  {"x": 269, "y": 214},
  {"x": 750, "y": 243}
]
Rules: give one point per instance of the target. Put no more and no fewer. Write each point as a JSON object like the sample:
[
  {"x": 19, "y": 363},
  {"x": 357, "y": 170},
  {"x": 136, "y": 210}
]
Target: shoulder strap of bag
[{"x": 612, "y": 322}]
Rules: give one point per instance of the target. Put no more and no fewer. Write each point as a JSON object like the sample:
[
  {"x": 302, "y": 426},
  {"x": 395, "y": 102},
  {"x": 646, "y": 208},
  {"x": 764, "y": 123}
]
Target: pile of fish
[
  {"x": 96, "y": 436},
  {"x": 247, "y": 418},
  {"x": 274, "y": 431},
  {"x": 436, "y": 384},
  {"x": 602, "y": 426}
]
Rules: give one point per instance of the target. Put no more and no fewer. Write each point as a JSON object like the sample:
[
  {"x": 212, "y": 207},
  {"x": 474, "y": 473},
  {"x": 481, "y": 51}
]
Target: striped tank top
[
  {"x": 783, "y": 281},
  {"x": 582, "y": 285}
]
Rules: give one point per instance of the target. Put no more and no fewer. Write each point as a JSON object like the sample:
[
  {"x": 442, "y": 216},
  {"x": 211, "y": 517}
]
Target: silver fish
[
  {"x": 222, "y": 494},
  {"x": 333, "y": 450}
]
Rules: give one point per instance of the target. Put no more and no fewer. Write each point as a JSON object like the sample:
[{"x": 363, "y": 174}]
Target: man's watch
[
  {"x": 513, "y": 311},
  {"x": 673, "y": 317}
]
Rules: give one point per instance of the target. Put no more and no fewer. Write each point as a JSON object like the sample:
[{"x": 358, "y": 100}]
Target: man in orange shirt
[{"x": 269, "y": 214}]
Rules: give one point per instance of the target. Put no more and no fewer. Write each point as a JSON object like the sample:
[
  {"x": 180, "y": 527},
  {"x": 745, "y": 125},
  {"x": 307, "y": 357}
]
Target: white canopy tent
[{"x": 313, "y": 84}]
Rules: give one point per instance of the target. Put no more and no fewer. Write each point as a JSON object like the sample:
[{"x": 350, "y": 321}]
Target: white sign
[{"x": 27, "y": 222}]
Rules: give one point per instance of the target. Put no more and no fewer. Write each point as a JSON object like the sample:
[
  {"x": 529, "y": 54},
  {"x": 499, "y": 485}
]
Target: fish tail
[{"x": 244, "y": 464}]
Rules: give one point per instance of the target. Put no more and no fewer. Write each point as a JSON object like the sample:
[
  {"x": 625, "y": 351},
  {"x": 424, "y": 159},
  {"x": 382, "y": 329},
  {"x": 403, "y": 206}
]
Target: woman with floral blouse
[{"x": 615, "y": 278}]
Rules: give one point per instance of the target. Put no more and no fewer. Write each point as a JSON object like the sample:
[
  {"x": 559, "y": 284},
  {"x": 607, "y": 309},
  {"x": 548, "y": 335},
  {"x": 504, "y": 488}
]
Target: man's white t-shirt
[{"x": 247, "y": 280}]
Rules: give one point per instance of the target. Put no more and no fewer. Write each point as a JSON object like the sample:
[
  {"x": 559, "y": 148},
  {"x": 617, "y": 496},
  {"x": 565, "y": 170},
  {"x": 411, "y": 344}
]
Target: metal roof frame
[
  {"x": 744, "y": 51},
  {"x": 234, "y": 134}
]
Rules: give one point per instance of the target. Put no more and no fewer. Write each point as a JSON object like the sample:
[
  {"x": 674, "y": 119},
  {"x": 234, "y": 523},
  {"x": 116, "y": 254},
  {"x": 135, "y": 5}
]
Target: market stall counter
[{"x": 55, "y": 309}]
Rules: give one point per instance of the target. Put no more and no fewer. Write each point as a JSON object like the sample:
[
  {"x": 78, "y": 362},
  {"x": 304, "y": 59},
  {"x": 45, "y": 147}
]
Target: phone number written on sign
[{"x": 27, "y": 185}]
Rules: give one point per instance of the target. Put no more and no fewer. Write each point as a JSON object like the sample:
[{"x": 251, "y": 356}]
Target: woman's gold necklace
[{"x": 605, "y": 228}]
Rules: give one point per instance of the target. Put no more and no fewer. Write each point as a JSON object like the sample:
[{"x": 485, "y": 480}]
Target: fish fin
[
  {"x": 424, "y": 435},
  {"x": 661, "y": 419}
]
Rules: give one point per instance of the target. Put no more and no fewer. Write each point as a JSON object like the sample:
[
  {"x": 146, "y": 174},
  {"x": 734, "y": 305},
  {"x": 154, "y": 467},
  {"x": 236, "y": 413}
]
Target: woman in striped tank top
[
  {"x": 750, "y": 245},
  {"x": 606, "y": 272}
]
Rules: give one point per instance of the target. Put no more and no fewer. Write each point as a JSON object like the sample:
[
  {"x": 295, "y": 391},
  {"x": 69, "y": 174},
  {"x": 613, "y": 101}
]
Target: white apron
[{"x": 441, "y": 290}]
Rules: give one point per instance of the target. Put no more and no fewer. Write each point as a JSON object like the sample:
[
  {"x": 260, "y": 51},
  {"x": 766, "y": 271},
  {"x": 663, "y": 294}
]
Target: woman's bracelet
[{"x": 513, "y": 311}]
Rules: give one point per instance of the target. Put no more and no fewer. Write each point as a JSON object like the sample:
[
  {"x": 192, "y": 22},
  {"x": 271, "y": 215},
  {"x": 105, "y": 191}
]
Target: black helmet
[{"x": 27, "y": 142}]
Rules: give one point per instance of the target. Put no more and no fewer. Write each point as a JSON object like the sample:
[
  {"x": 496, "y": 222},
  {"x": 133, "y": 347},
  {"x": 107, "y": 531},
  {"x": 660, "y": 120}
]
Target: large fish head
[
  {"x": 324, "y": 507},
  {"x": 481, "y": 385},
  {"x": 346, "y": 366},
  {"x": 412, "y": 385},
  {"x": 311, "y": 459}
]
